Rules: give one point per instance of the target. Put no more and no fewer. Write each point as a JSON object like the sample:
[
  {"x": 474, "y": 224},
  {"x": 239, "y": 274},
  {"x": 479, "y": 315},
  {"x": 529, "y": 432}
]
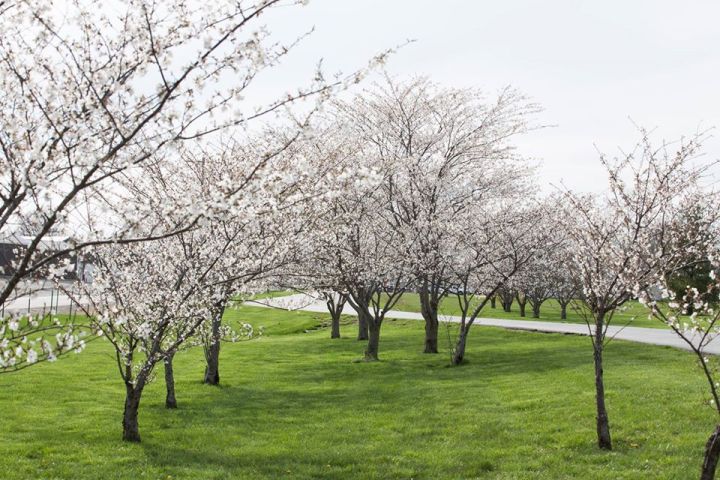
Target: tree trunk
[
  {"x": 212, "y": 351},
  {"x": 335, "y": 303},
  {"x": 563, "y": 311},
  {"x": 212, "y": 369},
  {"x": 335, "y": 327},
  {"x": 459, "y": 352},
  {"x": 507, "y": 301},
  {"x": 362, "y": 326},
  {"x": 131, "y": 431},
  {"x": 373, "y": 345},
  {"x": 522, "y": 300},
  {"x": 429, "y": 308},
  {"x": 603, "y": 423},
  {"x": 170, "y": 401},
  {"x": 493, "y": 301},
  {"x": 712, "y": 454},
  {"x": 431, "y": 335},
  {"x": 536, "y": 310}
]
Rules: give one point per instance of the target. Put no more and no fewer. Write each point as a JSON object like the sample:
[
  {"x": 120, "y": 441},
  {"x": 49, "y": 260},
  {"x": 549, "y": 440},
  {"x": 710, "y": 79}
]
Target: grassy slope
[
  {"x": 297, "y": 406},
  {"x": 633, "y": 313}
]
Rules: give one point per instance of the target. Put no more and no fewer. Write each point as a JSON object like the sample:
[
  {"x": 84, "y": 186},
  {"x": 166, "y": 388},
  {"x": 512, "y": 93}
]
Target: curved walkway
[{"x": 653, "y": 336}]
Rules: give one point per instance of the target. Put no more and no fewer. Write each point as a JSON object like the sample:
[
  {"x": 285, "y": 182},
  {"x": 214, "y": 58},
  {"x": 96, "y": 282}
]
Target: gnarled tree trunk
[
  {"x": 522, "y": 302},
  {"x": 170, "y": 400},
  {"x": 362, "y": 326},
  {"x": 431, "y": 335},
  {"x": 712, "y": 454},
  {"x": 373, "y": 345},
  {"x": 429, "y": 309},
  {"x": 212, "y": 349},
  {"x": 335, "y": 325},
  {"x": 131, "y": 431},
  {"x": 536, "y": 304},
  {"x": 507, "y": 300}
]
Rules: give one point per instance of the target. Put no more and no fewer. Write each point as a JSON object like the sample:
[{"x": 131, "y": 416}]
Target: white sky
[{"x": 593, "y": 65}]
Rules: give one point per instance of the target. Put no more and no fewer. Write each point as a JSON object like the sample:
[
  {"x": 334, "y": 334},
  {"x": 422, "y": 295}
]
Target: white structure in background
[{"x": 11, "y": 244}]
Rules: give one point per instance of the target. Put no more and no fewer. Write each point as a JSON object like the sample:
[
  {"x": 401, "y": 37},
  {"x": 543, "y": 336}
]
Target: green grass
[
  {"x": 631, "y": 314},
  {"x": 297, "y": 405},
  {"x": 274, "y": 321}
]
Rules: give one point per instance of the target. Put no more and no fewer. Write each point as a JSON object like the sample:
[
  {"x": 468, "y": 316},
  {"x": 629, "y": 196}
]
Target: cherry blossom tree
[
  {"x": 272, "y": 188},
  {"x": 130, "y": 81},
  {"x": 440, "y": 150},
  {"x": 152, "y": 298},
  {"x": 370, "y": 269},
  {"x": 542, "y": 277},
  {"x": 91, "y": 93},
  {"x": 148, "y": 299},
  {"x": 522, "y": 299},
  {"x": 621, "y": 240},
  {"x": 343, "y": 222},
  {"x": 145, "y": 325},
  {"x": 492, "y": 254},
  {"x": 566, "y": 284},
  {"x": 353, "y": 251},
  {"x": 507, "y": 293},
  {"x": 542, "y": 289}
]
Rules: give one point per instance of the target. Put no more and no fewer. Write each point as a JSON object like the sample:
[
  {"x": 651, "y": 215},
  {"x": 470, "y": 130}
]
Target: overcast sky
[{"x": 593, "y": 65}]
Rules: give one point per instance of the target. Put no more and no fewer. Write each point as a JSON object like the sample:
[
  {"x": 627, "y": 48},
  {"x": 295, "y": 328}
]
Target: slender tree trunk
[
  {"x": 362, "y": 326},
  {"x": 521, "y": 305},
  {"x": 170, "y": 400},
  {"x": 493, "y": 301},
  {"x": 563, "y": 311},
  {"x": 373, "y": 345},
  {"x": 131, "y": 431},
  {"x": 712, "y": 454},
  {"x": 212, "y": 351},
  {"x": 536, "y": 310},
  {"x": 603, "y": 422},
  {"x": 459, "y": 352},
  {"x": 335, "y": 326}
]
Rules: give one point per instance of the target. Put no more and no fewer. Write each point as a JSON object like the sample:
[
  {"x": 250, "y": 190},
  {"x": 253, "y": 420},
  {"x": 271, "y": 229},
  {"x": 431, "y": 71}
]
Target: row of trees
[
  {"x": 126, "y": 131},
  {"x": 93, "y": 98},
  {"x": 182, "y": 199},
  {"x": 451, "y": 212},
  {"x": 448, "y": 215}
]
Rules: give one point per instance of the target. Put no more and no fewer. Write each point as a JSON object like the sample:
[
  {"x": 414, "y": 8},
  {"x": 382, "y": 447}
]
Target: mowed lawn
[
  {"x": 631, "y": 314},
  {"x": 295, "y": 404}
]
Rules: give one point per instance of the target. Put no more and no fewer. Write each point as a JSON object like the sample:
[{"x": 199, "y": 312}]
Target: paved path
[
  {"x": 653, "y": 336},
  {"x": 40, "y": 301}
]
